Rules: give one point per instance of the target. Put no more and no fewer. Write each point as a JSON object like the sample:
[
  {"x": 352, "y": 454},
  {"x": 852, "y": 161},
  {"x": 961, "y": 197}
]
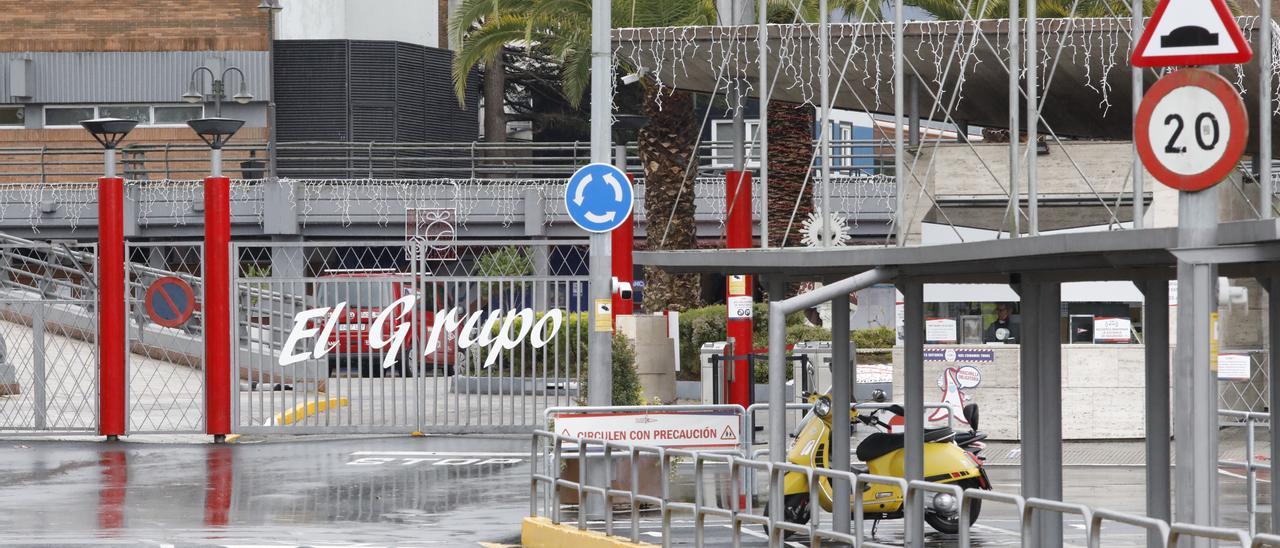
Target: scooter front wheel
[
  {"x": 796, "y": 508},
  {"x": 950, "y": 524}
]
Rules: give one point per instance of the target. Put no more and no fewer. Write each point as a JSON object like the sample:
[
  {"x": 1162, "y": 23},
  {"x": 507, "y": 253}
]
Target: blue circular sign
[
  {"x": 598, "y": 197},
  {"x": 170, "y": 301}
]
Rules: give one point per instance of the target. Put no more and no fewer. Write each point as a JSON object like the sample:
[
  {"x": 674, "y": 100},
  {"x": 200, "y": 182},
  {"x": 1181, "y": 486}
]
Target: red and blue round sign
[{"x": 170, "y": 301}]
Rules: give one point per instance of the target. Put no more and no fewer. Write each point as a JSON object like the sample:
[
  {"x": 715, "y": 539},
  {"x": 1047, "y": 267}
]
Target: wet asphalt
[
  {"x": 403, "y": 491},
  {"x": 382, "y": 491}
]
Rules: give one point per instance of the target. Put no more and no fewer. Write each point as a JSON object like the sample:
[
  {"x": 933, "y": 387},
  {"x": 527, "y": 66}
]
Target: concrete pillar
[
  {"x": 1194, "y": 384},
  {"x": 841, "y": 397},
  {"x": 1155, "y": 331},
  {"x": 913, "y": 399},
  {"x": 1028, "y": 383},
  {"x": 1049, "y": 391},
  {"x": 279, "y": 202}
]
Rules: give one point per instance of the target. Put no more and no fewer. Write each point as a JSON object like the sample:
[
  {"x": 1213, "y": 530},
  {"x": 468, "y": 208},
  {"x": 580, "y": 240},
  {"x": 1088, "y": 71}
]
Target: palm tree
[
  {"x": 481, "y": 17},
  {"x": 667, "y": 142}
]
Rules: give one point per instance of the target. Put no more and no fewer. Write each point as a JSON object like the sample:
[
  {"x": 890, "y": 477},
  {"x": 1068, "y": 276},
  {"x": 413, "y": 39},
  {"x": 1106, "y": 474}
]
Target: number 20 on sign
[{"x": 1191, "y": 129}]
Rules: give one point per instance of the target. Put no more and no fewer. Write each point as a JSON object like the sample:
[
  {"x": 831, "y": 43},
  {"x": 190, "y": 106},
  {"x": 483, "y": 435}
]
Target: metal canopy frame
[
  {"x": 1245, "y": 249},
  {"x": 1035, "y": 267}
]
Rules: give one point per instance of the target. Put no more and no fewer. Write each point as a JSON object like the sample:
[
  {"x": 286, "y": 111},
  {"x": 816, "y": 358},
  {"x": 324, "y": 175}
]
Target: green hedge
[{"x": 697, "y": 326}]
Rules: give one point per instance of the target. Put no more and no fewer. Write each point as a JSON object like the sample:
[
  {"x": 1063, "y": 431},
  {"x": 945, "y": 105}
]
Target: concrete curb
[{"x": 541, "y": 533}]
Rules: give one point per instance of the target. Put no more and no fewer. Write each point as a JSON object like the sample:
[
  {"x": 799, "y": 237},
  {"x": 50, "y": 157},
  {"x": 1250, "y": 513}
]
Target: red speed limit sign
[{"x": 1191, "y": 129}]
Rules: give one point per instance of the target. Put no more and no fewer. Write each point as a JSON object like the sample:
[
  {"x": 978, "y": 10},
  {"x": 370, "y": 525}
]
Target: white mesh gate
[
  {"x": 48, "y": 329},
  {"x": 165, "y": 354},
  {"x": 312, "y": 354}
]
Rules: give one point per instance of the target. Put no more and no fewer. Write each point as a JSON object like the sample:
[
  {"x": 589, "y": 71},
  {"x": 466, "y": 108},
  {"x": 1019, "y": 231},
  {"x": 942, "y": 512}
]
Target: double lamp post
[{"x": 112, "y": 314}]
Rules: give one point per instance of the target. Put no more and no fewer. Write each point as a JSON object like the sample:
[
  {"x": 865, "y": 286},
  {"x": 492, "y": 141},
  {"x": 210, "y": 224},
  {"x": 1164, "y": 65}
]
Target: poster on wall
[
  {"x": 1233, "y": 367},
  {"x": 940, "y": 331},
  {"x": 1111, "y": 330}
]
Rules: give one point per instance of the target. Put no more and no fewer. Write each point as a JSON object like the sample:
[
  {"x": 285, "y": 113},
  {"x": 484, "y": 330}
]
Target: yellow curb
[
  {"x": 541, "y": 533},
  {"x": 304, "y": 410}
]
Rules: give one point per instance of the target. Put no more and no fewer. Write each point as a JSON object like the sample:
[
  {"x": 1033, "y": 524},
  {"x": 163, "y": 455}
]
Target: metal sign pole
[
  {"x": 1193, "y": 382},
  {"x": 600, "y": 351}
]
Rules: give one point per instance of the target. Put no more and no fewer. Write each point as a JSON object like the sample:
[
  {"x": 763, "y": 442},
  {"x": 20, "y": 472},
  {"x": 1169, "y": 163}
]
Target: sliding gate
[{"x": 384, "y": 337}]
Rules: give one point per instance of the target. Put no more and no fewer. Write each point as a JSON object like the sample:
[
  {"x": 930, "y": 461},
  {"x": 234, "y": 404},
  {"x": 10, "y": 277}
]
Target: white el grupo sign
[
  {"x": 704, "y": 430},
  {"x": 496, "y": 332}
]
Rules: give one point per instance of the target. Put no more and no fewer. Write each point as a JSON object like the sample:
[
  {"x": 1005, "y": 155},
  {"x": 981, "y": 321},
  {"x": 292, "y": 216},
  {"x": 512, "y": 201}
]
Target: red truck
[{"x": 366, "y": 293}]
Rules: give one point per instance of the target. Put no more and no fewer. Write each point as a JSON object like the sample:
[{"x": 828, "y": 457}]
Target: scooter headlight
[{"x": 822, "y": 407}]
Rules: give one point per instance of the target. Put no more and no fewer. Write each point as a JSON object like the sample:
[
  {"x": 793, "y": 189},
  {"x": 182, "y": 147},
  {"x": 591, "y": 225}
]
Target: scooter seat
[{"x": 880, "y": 444}]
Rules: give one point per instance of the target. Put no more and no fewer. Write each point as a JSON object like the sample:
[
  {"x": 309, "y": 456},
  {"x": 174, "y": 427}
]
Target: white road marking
[
  {"x": 441, "y": 453},
  {"x": 1240, "y": 476},
  {"x": 757, "y": 534}
]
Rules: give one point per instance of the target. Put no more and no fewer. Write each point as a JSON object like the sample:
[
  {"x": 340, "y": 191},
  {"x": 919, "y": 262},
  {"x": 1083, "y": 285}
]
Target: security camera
[
  {"x": 633, "y": 77},
  {"x": 620, "y": 288}
]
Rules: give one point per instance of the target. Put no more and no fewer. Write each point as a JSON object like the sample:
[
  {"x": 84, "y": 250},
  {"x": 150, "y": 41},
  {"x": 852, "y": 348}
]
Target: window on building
[
  {"x": 11, "y": 116},
  {"x": 177, "y": 115},
  {"x": 67, "y": 116},
  {"x": 722, "y": 134},
  {"x": 146, "y": 115},
  {"x": 141, "y": 113}
]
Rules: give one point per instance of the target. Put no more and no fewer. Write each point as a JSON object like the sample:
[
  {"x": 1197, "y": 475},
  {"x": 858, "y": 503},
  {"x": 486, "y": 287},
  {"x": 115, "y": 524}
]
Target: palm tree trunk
[
  {"x": 790, "y": 153},
  {"x": 495, "y": 99},
  {"x": 668, "y": 150}
]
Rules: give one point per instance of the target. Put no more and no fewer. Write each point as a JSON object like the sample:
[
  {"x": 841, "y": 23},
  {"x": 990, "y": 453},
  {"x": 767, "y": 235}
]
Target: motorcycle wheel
[
  {"x": 796, "y": 507},
  {"x": 951, "y": 524}
]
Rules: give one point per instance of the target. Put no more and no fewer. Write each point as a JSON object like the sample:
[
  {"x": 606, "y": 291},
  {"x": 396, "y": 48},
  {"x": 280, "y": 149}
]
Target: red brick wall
[
  {"x": 132, "y": 25},
  {"x": 84, "y": 164}
]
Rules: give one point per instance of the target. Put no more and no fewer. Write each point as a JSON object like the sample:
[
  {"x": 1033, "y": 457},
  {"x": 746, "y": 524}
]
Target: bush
[
  {"x": 707, "y": 324},
  {"x": 626, "y": 382}
]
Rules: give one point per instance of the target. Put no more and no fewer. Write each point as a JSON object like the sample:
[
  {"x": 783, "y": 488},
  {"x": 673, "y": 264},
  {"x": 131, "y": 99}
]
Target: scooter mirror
[
  {"x": 971, "y": 415},
  {"x": 878, "y": 395}
]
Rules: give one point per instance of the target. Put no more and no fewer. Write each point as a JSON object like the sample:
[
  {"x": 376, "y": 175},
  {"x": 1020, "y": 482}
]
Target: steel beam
[
  {"x": 1049, "y": 365},
  {"x": 1264, "y": 121},
  {"x": 1195, "y": 416},
  {"x": 1273, "y": 378},
  {"x": 1155, "y": 330},
  {"x": 599, "y": 350},
  {"x": 913, "y": 398},
  {"x": 1135, "y": 95},
  {"x": 1033, "y": 121},
  {"x": 899, "y": 158},
  {"x": 1015, "y": 206},
  {"x": 841, "y": 396},
  {"x": 1028, "y": 387}
]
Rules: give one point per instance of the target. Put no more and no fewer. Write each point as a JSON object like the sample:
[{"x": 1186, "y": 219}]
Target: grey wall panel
[
  {"x": 126, "y": 77},
  {"x": 369, "y": 91}
]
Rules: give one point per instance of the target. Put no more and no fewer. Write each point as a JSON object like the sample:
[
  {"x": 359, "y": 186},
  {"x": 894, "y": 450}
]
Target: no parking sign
[{"x": 170, "y": 301}]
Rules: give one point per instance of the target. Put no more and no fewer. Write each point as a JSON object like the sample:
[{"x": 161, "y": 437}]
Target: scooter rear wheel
[
  {"x": 796, "y": 507},
  {"x": 951, "y": 524}
]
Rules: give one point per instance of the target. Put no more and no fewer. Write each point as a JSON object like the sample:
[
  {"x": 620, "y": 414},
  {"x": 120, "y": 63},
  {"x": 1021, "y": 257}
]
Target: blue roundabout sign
[{"x": 598, "y": 197}]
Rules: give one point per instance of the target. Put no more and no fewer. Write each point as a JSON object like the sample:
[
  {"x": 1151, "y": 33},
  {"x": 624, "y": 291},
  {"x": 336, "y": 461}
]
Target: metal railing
[
  {"x": 550, "y": 452},
  {"x": 344, "y": 160},
  {"x": 1250, "y": 464}
]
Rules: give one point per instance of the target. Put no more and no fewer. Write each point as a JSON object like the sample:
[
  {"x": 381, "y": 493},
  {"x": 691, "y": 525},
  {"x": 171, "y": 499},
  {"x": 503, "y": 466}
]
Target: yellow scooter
[{"x": 944, "y": 462}]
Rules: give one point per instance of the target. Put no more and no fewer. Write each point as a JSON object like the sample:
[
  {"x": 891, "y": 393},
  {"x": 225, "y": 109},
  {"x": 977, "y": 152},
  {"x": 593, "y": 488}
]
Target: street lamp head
[
  {"x": 270, "y": 5},
  {"x": 215, "y": 132},
  {"x": 193, "y": 94},
  {"x": 109, "y": 131},
  {"x": 243, "y": 96}
]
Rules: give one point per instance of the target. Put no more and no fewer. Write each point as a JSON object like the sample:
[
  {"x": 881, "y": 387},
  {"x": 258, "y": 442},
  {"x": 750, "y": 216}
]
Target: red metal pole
[
  {"x": 624, "y": 241},
  {"x": 738, "y": 236},
  {"x": 111, "y": 313},
  {"x": 217, "y": 306}
]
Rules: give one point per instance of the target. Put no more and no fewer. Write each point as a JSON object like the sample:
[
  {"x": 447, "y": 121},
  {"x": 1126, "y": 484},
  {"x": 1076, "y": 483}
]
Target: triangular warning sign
[
  {"x": 1191, "y": 32},
  {"x": 728, "y": 434}
]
